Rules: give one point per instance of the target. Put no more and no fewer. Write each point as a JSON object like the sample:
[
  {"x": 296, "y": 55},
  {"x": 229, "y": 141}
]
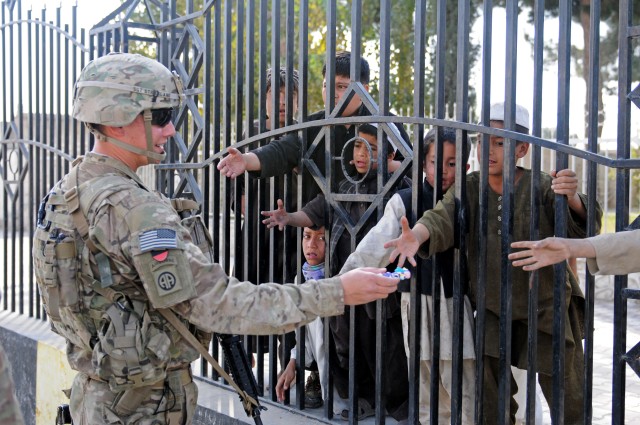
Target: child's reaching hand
[
  {"x": 408, "y": 243},
  {"x": 278, "y": 217}
]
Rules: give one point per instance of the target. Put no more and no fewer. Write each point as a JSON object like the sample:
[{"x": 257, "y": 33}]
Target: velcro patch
[
  {"x": 158, "y": 239},
  {"x": 160, "y": 255}
]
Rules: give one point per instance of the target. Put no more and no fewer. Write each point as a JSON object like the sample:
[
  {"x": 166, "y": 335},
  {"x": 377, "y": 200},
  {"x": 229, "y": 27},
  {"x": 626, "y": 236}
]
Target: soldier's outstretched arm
[{"x": 363, "y": 285}]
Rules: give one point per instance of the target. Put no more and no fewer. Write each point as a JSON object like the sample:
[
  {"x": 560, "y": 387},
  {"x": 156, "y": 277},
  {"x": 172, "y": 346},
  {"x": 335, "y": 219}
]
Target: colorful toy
[{"x": 400, "y": 273}]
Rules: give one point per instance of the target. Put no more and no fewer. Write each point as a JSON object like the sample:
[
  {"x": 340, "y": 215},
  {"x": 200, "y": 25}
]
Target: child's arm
[
  {"x": 286, "y": 379},
  {"x": 565, "y": 183},
  {"x": 408, "y": 243},
  {"x": 279, "y": 217},
  {"x": 236, "y": 163},
  {"x": 370, "y": 251}
]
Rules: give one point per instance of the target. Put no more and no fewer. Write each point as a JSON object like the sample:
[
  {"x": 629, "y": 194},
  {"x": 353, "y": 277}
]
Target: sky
[{"x": 91, "y": 11}]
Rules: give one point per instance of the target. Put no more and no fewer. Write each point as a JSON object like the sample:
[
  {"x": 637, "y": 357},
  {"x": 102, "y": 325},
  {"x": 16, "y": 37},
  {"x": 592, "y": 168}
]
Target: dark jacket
[{"x": 284, "y": 154}]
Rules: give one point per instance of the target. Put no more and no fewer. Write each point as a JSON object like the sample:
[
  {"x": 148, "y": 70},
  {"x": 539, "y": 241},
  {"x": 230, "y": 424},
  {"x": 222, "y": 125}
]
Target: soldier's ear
[{"x": 112, "y": 131}]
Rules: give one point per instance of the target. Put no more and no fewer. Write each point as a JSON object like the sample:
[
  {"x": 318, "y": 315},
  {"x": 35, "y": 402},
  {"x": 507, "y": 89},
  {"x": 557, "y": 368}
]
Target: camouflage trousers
[{"x": 170, "y": 403}]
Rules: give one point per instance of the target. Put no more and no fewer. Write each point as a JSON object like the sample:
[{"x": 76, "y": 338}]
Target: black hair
[
  {"x": 283, "y": 79},
  {"x": 447, "y": 134},
  {"x": 372, "y": 130},
  {"x": 343, "y": 67}
]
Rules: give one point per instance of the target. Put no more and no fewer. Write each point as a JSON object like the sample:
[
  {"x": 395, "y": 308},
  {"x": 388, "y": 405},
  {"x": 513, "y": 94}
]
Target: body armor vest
[{"x": 129, "y": 344}]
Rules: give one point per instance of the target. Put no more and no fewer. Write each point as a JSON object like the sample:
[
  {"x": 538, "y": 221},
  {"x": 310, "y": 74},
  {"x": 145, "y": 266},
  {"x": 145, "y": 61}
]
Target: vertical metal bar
[
  {"x": 462, "y": 115},
  {"x": 217, "y": 142},
  {"x": 508, "y": 179},
  {"x": 288, "y": 194},
  {"x": 532, "y": 313},
  {"x": 275, "y": 123},
  {"x": 20, "y": 189},
  {"x": 330, "y": 77},
  {"x": 625, "y": 53},
  {"x": 65, "y": 98},
  {"x": 415, "y": 316},
  {"x": 592, "y": 179},
  {"x": 58, "y": 93},
  {"x": 33, "y": 154},
  {"x": 564, "y": 62},
  {"x": 5, "y": 49},
  {"x": 487, "y": 43},
  {"x": 440, "y": 102},
  {"x": 383, "y": 109}
]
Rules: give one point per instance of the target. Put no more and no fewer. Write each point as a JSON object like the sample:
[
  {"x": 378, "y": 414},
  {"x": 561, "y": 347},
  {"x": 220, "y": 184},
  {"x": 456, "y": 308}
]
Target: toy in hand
[{"x": 400, "y": 273}]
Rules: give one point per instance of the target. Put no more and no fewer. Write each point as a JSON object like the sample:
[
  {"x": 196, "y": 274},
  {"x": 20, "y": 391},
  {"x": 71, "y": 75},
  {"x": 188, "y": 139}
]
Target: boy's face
[
  {"x": 361, "y": 159},
  {"x": 341, "y": 84},
  {"x": 496, "y": 151},
  {"x": 282, "y": 102},
  {"x": 448, "y": 165},
  {"x": 313, "y": 245}
]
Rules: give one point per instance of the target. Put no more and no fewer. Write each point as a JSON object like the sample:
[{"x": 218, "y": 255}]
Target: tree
[{"x": 608, "y": 67}]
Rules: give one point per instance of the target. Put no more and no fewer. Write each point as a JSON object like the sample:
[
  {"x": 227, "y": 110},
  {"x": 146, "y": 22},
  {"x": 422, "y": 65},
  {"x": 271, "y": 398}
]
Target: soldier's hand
[
  {"x": 366, "y": 284},
  {"x": 537, "y": 254},
  {"x": 278, "y": 217},
  {"x": 233, "y": 164}
]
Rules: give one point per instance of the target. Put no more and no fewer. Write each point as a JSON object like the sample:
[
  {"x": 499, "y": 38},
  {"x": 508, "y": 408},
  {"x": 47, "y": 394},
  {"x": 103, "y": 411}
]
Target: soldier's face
[
  {"x": 136, "y": 135},
  {"x": 313, "y": 245}
]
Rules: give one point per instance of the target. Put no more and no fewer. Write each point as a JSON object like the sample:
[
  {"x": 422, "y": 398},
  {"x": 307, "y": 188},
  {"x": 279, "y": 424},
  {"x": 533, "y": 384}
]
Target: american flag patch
[{"x": 158, "y": 239}]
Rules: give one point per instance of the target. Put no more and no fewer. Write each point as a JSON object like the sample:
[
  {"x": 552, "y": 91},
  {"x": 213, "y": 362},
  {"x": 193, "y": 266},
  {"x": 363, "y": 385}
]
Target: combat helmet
[{"x": 114, "y": 89}]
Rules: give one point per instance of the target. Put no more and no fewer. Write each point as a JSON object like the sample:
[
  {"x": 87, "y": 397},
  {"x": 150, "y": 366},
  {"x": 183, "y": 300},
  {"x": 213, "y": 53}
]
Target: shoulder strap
[{"x": 72, "y": 197}]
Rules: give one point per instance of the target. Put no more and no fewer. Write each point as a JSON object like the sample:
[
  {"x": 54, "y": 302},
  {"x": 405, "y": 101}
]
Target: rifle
[{"x": 240, "y": 368}]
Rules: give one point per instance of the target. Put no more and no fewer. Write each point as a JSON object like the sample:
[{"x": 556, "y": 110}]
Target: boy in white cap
[{"x": 434, "y": 232}]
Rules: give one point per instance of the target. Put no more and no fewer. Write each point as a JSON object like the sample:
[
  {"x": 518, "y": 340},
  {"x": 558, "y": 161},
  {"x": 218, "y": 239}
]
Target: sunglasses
[{"x": 161, "y": 117}]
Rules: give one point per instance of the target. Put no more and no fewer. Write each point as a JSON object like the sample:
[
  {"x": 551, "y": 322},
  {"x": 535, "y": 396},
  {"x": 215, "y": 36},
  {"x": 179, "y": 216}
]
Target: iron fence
[{"x": 222, "y": 50}]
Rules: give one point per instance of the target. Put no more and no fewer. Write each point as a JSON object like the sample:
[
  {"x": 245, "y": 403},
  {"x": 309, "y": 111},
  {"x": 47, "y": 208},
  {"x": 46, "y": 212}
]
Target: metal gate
[{"x": 222, "y": 50}]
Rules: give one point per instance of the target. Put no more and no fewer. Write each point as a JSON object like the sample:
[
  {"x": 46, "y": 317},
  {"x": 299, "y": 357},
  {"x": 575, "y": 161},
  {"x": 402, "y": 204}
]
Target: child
[
  {"x": 370, "y": 251},
  {"x": 313, "y": 247},
  {"x": 438, "y": 226},
  {"x": 283, "y": 154},
  {"x": 396, "y": 385}
]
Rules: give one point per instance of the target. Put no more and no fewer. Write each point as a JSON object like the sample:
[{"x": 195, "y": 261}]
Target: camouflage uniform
[
  {"x": 142, "y": 375},
  {"x": 9, "y": 408}
]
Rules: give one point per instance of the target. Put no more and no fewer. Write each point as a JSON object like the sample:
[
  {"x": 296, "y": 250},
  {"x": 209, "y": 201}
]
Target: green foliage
[
  {"x": 609, "y": 24},
  {"x": 401, "y": 35}
]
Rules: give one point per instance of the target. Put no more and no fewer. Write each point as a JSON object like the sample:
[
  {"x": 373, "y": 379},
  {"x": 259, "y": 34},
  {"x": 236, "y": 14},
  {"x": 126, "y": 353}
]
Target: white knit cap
[{"x": 496, "y": 113}]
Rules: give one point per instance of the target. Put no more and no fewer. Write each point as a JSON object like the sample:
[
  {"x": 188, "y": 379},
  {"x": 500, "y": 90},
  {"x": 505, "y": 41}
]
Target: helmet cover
[{"x": 114, "y": 89}]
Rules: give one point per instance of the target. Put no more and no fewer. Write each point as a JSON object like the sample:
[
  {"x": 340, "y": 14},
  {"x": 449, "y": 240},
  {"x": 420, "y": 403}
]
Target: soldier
[{"x": 109, "y": 253}]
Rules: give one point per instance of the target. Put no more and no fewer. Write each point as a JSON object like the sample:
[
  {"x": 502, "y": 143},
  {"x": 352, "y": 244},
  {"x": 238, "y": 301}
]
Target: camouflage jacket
[{"x": 148, "y": 247}]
